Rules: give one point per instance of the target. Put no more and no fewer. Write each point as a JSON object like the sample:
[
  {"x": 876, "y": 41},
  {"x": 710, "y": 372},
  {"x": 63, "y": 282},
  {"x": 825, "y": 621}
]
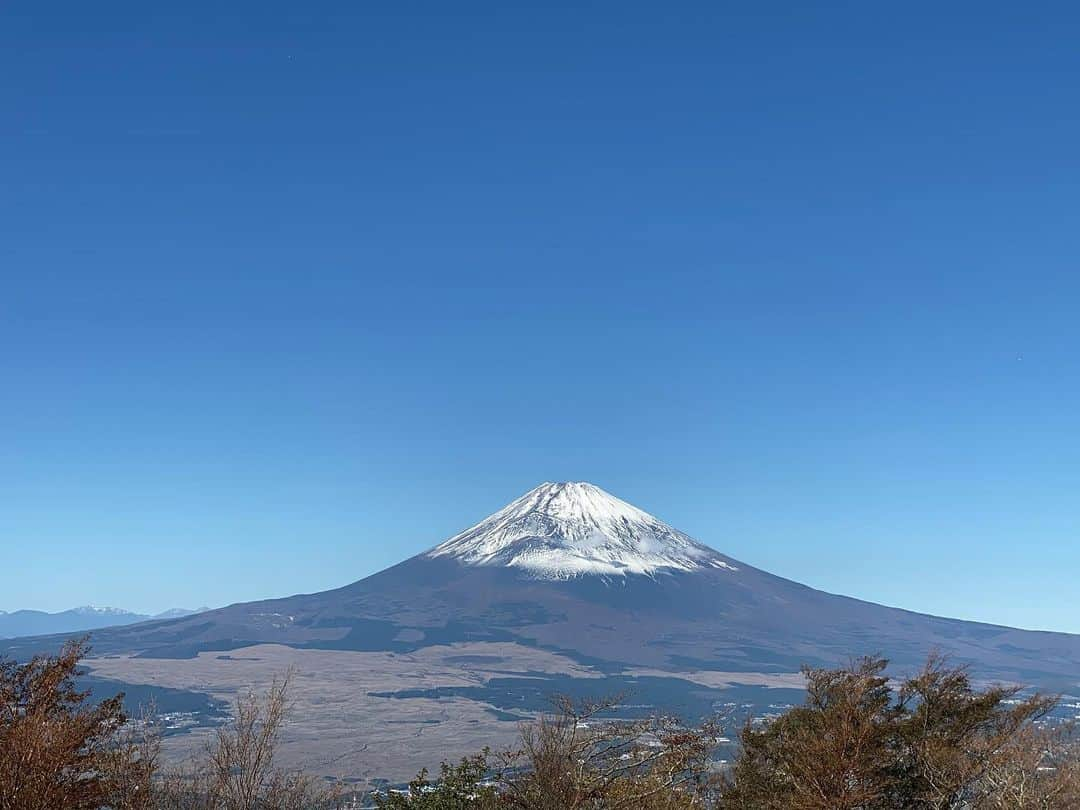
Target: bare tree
[
  {"x": 237, "y": 769},
  {"x": 1039, "y": 769},
  {"x": 130, "y": 763},
  {"x": 575, "y": 758}
]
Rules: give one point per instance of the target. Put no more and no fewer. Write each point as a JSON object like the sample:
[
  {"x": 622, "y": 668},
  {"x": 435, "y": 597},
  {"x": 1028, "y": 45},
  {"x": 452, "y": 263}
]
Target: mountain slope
[{"x": 568, "y": 567}]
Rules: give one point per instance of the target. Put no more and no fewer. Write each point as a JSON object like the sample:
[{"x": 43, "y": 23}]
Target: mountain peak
[
  {"x": 571, "y": 529},
  {"x": 100, "y": 610}
]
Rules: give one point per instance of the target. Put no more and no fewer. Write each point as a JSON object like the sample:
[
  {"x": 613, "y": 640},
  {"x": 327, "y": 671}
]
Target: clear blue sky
[{"x": 294, "y": 291}]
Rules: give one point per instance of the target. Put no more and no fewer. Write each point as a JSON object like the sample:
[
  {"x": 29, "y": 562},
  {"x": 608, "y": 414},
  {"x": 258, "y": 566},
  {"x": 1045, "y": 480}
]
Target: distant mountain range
[{"x": 38, "y": 622}]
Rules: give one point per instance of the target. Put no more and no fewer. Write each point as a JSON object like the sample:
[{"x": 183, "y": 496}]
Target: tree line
[{"x": 935, "y": 741}]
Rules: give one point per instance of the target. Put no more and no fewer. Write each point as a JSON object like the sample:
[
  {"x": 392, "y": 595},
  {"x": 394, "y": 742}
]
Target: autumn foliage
[{"x": 58, "y": 751}]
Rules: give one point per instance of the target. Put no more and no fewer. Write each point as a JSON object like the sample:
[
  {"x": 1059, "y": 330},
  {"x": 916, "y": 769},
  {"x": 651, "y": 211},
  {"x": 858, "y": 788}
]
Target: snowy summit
[
  {"x": 567, "y": 530},
  {"x": 98, "y": 610}
]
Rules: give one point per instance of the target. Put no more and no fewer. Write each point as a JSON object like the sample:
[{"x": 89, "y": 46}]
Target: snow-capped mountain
[
  {"x": 569, "y": 568},
  {"x": 95, "y": 610},
  {"x": 565, "y": 530}
]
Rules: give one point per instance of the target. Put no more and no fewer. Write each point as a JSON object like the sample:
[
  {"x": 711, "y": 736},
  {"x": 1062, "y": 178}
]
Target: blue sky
[{"x": 291, "y": 293}]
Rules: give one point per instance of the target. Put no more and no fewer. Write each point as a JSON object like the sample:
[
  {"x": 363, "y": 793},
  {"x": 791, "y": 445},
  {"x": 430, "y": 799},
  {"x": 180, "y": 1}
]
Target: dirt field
[{"x": 337, "y": 728}]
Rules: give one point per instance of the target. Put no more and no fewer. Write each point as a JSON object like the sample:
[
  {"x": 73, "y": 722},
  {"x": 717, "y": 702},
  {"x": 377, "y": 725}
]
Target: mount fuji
[{"x": 572, "y": 569}]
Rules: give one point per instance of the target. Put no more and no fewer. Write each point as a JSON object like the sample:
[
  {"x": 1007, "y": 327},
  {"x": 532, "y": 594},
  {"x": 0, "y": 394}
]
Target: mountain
[
  {"x": 570, "y": 568},
  {"x": 89, "y": 617},
  {"x": 566, "y": 590}
]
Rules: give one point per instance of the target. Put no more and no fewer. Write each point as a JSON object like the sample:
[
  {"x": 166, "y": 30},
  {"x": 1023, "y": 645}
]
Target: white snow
[
  {"x": 566, "y": 530},
  {"x": 98, "y": 610}
]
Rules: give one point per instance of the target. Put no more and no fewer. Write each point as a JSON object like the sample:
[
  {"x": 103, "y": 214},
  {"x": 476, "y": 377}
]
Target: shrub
[{"x": 57, "y": 751}]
